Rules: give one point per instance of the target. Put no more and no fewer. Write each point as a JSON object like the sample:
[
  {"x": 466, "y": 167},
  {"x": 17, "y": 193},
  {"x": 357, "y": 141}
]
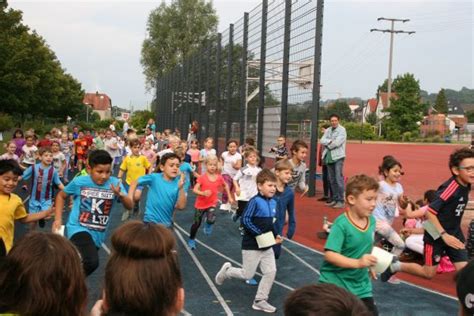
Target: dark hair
[
  {"x": 250, "y": 141},
  {"x": 47, "y": 133},
  {"x": 388, "y": 162},
  {"x": 163, "y": 159},
  {"x": 251, "y": 150},
  {"x": 142, "y": 276},
  {"x": 430, "y": 195},
  {"x": 134, "y": 142},
  {"x": 334, "y": 115},
  {"x": 360, "y": 183},
  {"x": 266, "y": 175},
  {"x": 230, "y": 141},
  {"x": 42, "y": 275},
  {"x": 99, "y": 157},
  {"x": 18, "y": 130},
  {"x": 44, "y": 150},
  {"x": 297, "y": 145},
  {"x": 10, "y": 165},
  {"x": 459, "y": 155},
  {"x": 324, "y": 299}
]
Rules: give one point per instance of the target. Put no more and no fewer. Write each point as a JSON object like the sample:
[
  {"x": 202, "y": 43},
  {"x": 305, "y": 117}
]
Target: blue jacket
[
  {"x": 258, "y": 219},
  {"x": 285, "y": 203}
]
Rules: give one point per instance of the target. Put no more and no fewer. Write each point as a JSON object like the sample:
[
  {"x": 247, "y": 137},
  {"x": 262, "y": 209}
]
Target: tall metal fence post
[
  {"x": 261, "y": 94},
  {"x": 218, "y": 91},
  {"x": 199, "y": 91},
  {"x": 208, "y": 91},
  {"x": 316, "y": 97},
  {"x": 286, "y": 68},
  {"x": 243, "y": 79},
  {"x": 230, "y": 50}
]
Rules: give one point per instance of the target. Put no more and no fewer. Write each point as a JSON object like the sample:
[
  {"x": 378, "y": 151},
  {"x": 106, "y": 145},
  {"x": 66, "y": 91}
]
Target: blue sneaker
[
  {"x": 192, "y": 244},
  {"x": 208, "y": 229},
  {"x": 252, "y": 281}
]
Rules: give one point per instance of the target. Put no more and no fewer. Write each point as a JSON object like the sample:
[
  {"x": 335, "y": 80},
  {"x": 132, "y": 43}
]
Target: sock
[{"x": 396, "y": 266}]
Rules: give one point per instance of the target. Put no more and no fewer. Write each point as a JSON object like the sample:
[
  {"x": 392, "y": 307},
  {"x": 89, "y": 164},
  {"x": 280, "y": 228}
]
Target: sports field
[{"x": 425, "y": 168}]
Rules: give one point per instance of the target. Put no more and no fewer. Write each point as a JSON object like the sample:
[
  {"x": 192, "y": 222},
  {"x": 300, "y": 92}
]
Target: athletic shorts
[
  {"x": 433, "y": 252},
  {"x": 38, "y": 206}
]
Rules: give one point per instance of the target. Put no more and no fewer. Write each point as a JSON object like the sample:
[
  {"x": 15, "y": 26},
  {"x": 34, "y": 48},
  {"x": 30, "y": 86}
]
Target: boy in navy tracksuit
[{"x": 258, "y": 219}]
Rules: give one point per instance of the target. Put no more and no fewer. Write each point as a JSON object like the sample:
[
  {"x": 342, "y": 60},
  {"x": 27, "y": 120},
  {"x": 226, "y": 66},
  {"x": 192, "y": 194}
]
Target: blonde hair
[{"x": 210, "y": 158}]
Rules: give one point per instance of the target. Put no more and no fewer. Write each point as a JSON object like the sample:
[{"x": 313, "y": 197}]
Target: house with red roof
[
  {"x": 378, "y": 106},
  {"x": 99, "y": 103}
]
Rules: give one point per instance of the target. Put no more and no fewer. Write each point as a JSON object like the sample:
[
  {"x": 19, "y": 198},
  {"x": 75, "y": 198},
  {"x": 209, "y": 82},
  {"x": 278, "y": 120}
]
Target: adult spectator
[
  {"x": 465, "y": 289},
  {"x": 151, "y": 125},
  {"x": 334, "y": 153}
]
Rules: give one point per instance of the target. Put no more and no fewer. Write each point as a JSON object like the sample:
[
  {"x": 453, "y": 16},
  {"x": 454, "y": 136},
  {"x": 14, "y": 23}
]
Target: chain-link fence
[{"x": 260, "y": 78}]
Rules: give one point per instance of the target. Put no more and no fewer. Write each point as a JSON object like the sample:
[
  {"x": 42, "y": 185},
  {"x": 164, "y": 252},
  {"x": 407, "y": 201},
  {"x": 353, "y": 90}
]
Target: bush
[
  {"x": 358, "y": 131},
  {"x": 6, "y": 122},
  {"x": 407, "y": 137},
  {"x": 103, "y": 124}
]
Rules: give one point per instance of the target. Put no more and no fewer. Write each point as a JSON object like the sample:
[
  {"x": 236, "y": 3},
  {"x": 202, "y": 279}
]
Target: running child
[
  {"x": 80, "y": 149},
  {"x": 194, "y": 153},
  {"x": 186, "y": 168},
  {"x": 165, "y": 193},
  {"x": 206, "y": 151},
  {"x": 285, "y": 198},
  {"x": 135, "y": 166},
  {"x": 257, "y": 220},
  {"x": 231, "y": 162},
  {"x": 59, "y": 160},
  {"x": 94, "y": 199},
  {"x": 19, "y": 140},
  {"x": 347, "y": 257},
  {"x": 149, "y": 153},
  {"x": 445, "y": 214},
  {"x": 299, "y": 150},
  {"x": 10, "y": 154},
  {"x": 30, "y": 152},
  {"x": 43, "y": 177},
  {"x": 12, "y": 205},
  {"x": 207, "y": 188},
  {"x": 387, "y": 208},
  {"x": 66, "y": 148},
  {"x": 245, "y": 181}
]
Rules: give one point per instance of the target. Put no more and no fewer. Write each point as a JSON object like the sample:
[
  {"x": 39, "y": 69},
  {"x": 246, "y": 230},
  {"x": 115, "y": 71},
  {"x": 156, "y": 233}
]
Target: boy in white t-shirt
[
  {"x": 231, "y": 162},
  {"x": 245, "y": 181}
]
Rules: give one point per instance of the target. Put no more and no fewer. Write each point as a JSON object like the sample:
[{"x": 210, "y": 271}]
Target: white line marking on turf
[
  {"x": 230, "y": 259},
  {"x": 301, "y": 260},
  {"x": 404, "y": 282},
  {"x": 186, "y": 313},
  {"x": 205, "y": 275},
  {"x": 107, "y": 250}
]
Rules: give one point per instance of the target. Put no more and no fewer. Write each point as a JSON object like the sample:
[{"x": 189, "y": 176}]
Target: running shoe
[
  {"x": 220, "y": 276},
  {"x": 192, "y": 244},
  {"x": 251, "y": 281},
  {"x": 263, "y": 306}
]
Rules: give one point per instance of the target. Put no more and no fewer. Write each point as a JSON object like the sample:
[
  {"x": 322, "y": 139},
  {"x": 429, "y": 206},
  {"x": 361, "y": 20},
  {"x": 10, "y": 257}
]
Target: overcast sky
[{"x": 99, "y": 43}]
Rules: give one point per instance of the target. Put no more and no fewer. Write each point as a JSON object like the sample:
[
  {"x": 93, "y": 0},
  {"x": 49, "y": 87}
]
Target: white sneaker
[
  {"x": 220, "y": 276},
  {"x": 264, "y": 306},
  {"x": 225, "y": 207}
]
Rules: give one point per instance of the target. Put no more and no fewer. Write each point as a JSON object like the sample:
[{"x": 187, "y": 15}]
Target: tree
[
  {"x": 371, "y": 118},
  {"x": 441, "y": 104},
  {"x": 139, "y": 119},
  {"x": 342, "y": 109},
  {"x": 406, "y": 110},
  {"x": 470, "y": 116},
  {"x": 174, "y": 31}
]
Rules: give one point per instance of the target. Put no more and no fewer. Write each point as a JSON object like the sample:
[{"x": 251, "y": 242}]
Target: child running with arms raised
[
  {"x": 231, "y": 162},
  {"x": 207, "y": 188},
  {"x": 347, "y": 257},
  {"x": 94, "y": 198},
  {"x": 166, "y": 191},
  {"x": 258, "y": 220},
  {"x": 445, "y": 215}
]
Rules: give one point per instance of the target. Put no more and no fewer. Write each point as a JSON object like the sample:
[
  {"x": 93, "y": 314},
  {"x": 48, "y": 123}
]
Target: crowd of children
[{"x": 262, "y": 200}]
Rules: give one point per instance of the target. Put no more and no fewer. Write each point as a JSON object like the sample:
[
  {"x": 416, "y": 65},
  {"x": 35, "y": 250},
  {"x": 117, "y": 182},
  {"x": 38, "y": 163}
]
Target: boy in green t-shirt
[{"x": 347, "y": 257}]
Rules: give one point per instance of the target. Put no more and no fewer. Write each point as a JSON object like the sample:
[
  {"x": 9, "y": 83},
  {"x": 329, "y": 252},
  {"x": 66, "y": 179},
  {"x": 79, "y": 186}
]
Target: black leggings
[
  {"x": 198, "y": 215},
  {"x": 88, "y": 251},
  {"x": 370, "y": 304},
  {"x": 3, "y": 248},
  {"x": 242, "y": 205}
]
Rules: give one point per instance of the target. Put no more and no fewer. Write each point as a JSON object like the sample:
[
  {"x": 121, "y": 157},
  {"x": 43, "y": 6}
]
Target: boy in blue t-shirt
[
  {"x": 43, "y": 177},
  {"x": 94, "y": 196},
  {"x": 166, "y": 191}
]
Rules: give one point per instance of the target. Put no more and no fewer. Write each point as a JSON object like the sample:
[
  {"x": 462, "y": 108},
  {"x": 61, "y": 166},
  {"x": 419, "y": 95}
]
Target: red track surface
[{"x": 425, "y": 166}]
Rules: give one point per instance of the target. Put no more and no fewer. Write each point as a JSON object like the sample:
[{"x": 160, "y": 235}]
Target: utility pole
[{"x": 392, "y": 31}]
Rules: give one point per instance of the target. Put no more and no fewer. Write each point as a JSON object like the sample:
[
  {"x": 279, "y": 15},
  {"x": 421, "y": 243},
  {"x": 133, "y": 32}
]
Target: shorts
[
  {"x": 433, "y": 252},
  {"x": 38, "y": 206}
]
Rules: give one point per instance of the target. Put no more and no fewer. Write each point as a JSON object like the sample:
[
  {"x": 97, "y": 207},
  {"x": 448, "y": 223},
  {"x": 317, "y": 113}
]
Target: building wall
[{"x": 104, "y": 115}]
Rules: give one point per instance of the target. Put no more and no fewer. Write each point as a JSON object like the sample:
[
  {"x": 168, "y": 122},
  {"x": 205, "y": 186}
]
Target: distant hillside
[{"x": 465, "y": 96}]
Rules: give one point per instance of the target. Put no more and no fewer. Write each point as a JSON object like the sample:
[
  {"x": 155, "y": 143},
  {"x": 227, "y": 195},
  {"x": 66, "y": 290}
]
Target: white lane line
[
  {"x": 301, "y": 260},
  {"x": 404, "y": 282},
  {"x": 205, "y": 275},
  {"x": 230, "y": 259},
  {"x": 107, "y": 250}
]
